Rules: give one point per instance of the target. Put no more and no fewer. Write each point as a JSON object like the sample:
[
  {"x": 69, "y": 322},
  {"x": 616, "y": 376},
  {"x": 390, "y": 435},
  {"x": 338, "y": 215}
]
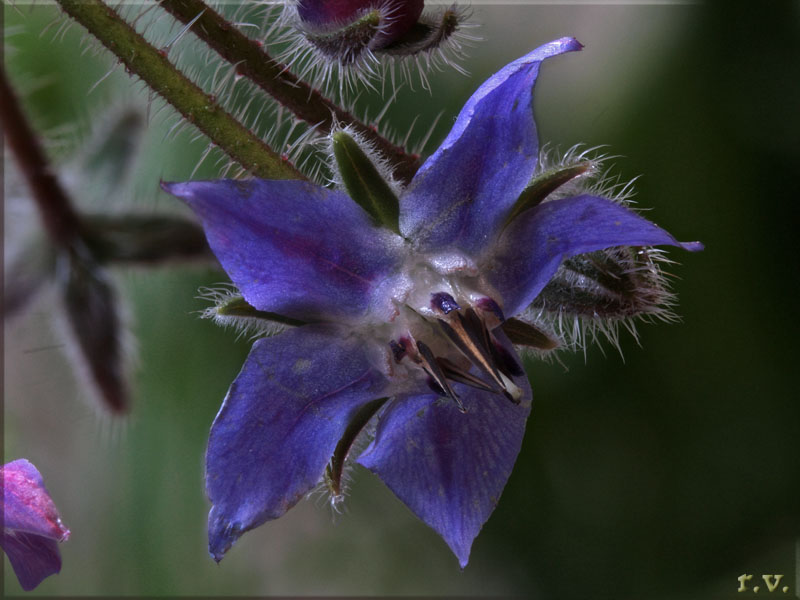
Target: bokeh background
[{"x": 666, "y": 474}]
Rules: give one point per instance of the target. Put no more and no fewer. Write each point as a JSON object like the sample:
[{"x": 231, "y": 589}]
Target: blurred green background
[{"x": 664, "y": 475}]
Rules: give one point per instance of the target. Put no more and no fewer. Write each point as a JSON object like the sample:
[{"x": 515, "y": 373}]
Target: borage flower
[
  {"x": 32, "y": 527},
  {"x": 396, "y": 305}
]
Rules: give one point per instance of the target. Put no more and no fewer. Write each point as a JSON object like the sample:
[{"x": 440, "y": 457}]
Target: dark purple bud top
[
  {"x": 398, "y": 15},
  {"x": 443, "y": 302},
  {"x": 489, "y": 305}
]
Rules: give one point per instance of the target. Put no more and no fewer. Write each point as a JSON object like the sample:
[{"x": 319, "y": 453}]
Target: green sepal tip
[
  {"x": 237, "y": 306},
  {"x": 545, "y": 184},
  {"x": 425, "y": 36},
  {"x": 335, "y": 469},
  {"x": 364, "y": 182}
]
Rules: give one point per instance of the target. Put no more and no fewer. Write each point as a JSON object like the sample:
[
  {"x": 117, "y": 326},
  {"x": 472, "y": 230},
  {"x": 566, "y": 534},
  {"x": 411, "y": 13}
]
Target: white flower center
[{"x": 438, "y": 314}]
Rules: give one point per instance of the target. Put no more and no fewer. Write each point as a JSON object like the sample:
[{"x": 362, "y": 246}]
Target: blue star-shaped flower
[{"x": 411, "y": 313}]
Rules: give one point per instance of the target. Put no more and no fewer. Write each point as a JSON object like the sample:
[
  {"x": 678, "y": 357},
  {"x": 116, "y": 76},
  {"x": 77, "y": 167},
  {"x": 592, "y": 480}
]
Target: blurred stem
[
  {"x": 60, "y": 220},
  {"x": 153, "y": 67},
  {"x": 274, "y": 78},
  {"x": 145, "y": 239}
]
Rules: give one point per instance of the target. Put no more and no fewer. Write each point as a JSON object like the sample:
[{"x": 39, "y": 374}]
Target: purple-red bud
[
  {"x": 32, "y": 526},
  {"x": 398, "y": 16}
]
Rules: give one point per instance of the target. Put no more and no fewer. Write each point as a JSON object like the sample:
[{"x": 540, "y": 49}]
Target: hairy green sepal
[
  {"x": 237, "y": 306},
  {"x": 545, "y": 184},
  {"x": 335, "y": 468},
  {"x": 615, "y": 283},
  {"x": 348, "y": 42},
  {"x": 425, "y": 36},
  {"x": 364, "y": 182}
]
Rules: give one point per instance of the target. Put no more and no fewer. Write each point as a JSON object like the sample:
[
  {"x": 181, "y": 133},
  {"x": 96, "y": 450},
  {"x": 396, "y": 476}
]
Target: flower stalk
[
  {"x": 197, "y": 107},
  {"x": 78, "y": 248},
  {"x": 59, "y": 218},
  {"x": 275, "y": 79}
]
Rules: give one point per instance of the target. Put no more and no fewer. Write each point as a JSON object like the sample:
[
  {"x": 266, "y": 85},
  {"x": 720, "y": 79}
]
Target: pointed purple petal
[
  {"x": 27, "y": 506},
  {"x": 279, "y": 425},
  {"x": 448, "y": 467},
  {"x": 292, "y": 247},
  {"x": 31, "y": 524},
  {"x": 534, "y": 245},
  {"x": 462, "y": 192},
  {"x": 32, "y": 557}
]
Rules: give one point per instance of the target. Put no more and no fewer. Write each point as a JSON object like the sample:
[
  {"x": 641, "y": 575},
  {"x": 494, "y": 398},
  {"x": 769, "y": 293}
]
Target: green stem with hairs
[
  {"x": 274, "y": 78},
  {"x": 61, "y": 221},
  {"x": 197, "y": 107}
]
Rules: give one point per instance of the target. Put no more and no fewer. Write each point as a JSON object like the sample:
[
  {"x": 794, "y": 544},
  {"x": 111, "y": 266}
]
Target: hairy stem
[
  {"x": 60, "y": 220},
  {"x": 274, "y": 78},
  {"x": 165, "y": 79}
]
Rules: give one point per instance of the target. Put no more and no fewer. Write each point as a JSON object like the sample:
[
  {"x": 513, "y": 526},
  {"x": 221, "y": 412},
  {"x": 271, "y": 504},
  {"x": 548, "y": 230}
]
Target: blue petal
[
  {"x": 292, "y": 247},
  {"x": 279, "y": 425},
  {"x": 31, "y": 524},
  {"x": 462, "y": 193},
  {"x": 26, "y": 504},
  {"x": 449, "y": 468},
  {"x": 32, "y": 557},
  {"x": 532, "y": 248}
]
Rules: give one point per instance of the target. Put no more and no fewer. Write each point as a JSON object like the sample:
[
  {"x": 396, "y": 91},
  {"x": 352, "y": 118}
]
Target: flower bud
[
  {"x": 32, "y": 526},
  {"x": 595, "y": 293},
  {"x": 351, "y": 37},
  {"x": 92, "y": 312},
  {"x": 396, "y": 17}
]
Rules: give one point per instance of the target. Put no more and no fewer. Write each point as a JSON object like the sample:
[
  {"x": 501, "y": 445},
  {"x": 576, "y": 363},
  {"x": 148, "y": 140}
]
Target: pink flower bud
[{"x": 398, "y": 15}]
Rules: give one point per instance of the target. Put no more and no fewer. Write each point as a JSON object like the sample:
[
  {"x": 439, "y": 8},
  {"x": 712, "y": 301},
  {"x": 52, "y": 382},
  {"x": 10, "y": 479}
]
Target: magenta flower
[
  {"x": 32, "y": 526},
  {"x": 403, "y": 308}
]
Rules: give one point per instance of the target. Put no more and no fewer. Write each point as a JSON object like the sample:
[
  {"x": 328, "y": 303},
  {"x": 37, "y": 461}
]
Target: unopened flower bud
[
  {"x": 396, "y": 17},
  {"x": 353, "y": 35},
  {"x": 92, "y": 313}
]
